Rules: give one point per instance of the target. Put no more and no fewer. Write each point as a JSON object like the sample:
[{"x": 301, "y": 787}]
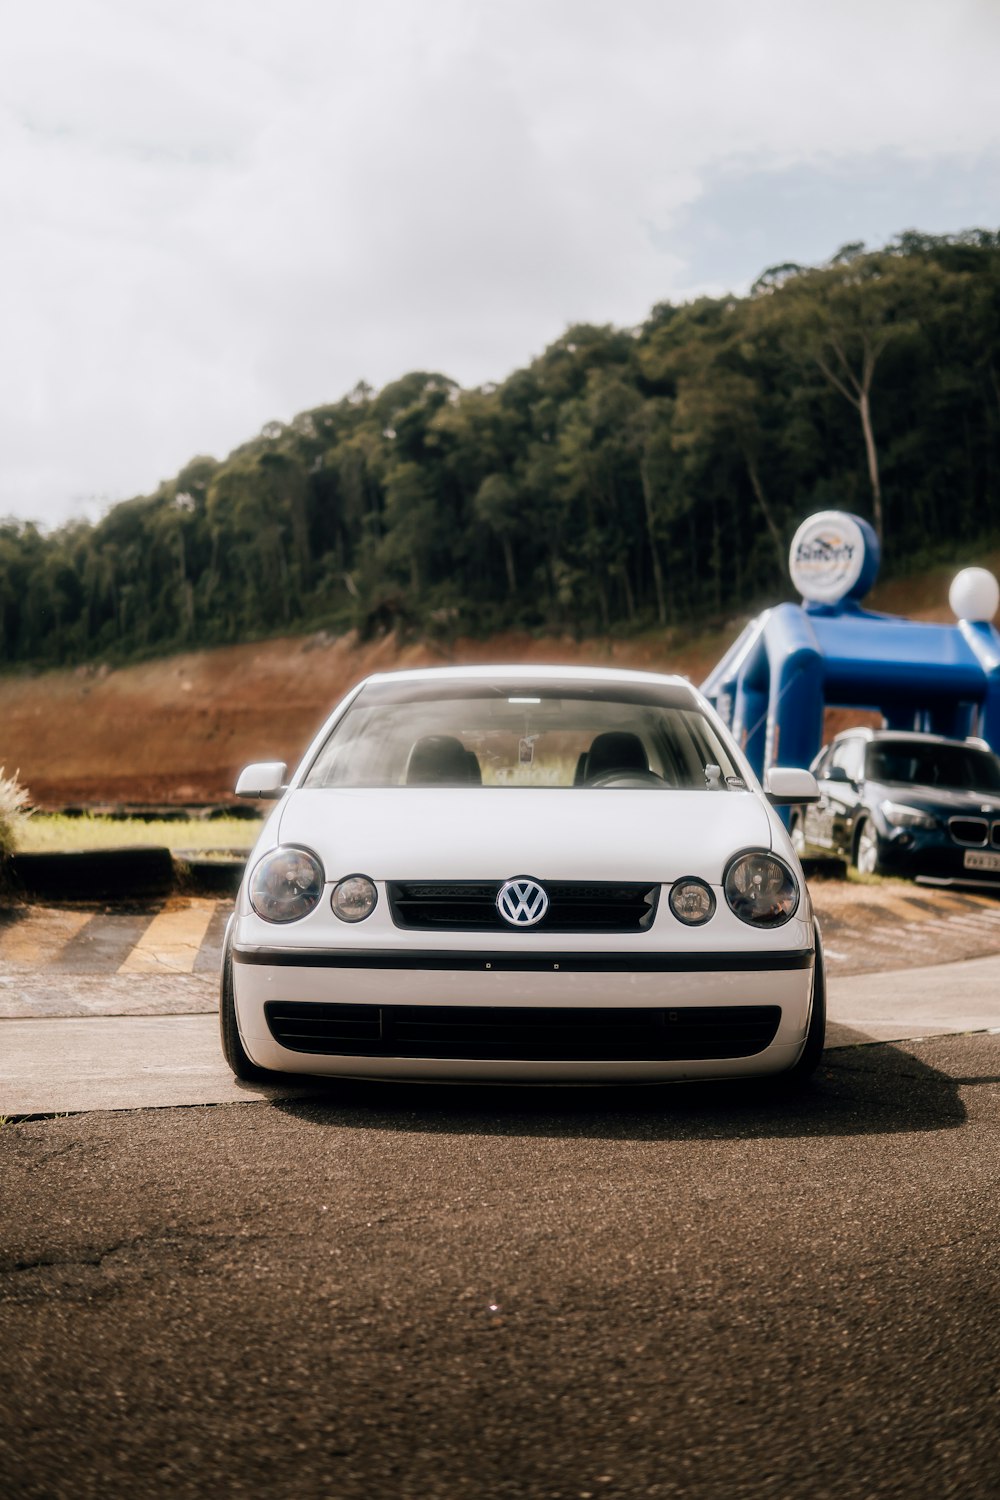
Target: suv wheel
[{"x": 866, "y": 851}]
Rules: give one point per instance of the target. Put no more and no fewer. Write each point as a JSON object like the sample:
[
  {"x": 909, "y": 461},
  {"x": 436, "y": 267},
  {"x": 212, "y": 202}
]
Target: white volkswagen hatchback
[{"x": 523, "y": 874}]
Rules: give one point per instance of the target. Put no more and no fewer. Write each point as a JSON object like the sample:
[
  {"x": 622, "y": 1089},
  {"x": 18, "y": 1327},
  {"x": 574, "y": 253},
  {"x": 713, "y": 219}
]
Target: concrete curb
[
  {"x": 208, "y": 877},
  {"x": 131, "y": 874}
]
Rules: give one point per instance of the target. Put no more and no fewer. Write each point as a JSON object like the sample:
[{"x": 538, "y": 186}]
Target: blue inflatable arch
[{"x": 796, "y": 660}]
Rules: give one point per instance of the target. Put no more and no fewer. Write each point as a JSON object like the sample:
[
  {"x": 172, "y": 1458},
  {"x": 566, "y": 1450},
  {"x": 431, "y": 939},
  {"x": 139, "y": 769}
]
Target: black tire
[
  {"x": 244, "y": 1069},
  {"x": 812, "y": 1053}
]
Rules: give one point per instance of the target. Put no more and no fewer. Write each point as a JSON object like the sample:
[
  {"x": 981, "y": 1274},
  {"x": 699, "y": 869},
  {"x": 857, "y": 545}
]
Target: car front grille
[
  {"x": 574, "y": 906},
  {"x": 523, "y": 1034},
  {"x": 970, "y": 831}
]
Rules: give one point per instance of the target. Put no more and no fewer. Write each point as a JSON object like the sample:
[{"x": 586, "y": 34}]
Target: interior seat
[
  {"x": 616, "y": 750},
  {"x": 442, "y": 760}
]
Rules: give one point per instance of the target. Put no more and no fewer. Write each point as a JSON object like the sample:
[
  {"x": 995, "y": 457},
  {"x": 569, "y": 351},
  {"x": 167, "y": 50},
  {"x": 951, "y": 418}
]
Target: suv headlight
[
  {"x": 761, "y": 890},
  {"x": 901, "y": 816},
  {"x": 287, "y": 884}
]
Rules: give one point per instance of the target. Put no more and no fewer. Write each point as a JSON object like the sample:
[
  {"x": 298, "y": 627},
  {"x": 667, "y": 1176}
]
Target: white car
[{"x": 523, "y": 874}]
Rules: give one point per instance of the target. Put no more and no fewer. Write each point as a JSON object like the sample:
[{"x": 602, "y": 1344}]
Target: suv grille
[
  {"x": 529, "y": 1033},
  {"x": 470, "y": 906},
  {"x": 969, "y": 831}
]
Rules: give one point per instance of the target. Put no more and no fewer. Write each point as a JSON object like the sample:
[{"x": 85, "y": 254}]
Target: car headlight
[
  {"x": 287, "y": 884},
  {"x": 901, "y": 816},
  {"x": 691, "y": 901},
  {"x": 761, "y": 890},
  {"x": 354, "y": 898}
]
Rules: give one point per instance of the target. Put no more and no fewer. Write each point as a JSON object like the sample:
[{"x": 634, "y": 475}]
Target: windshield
[
  {"x": 959, "y": 768},
  {"x": 551, "y": 735}
]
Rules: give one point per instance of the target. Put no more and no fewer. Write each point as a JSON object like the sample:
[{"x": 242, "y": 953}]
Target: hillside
[
  {"x": 178, "y": 729},
  {"x": 624, "y": 480}
]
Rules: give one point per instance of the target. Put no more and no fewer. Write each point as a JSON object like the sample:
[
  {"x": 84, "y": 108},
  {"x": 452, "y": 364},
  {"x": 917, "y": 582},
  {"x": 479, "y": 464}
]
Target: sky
[{"x": 218, "y": 213}]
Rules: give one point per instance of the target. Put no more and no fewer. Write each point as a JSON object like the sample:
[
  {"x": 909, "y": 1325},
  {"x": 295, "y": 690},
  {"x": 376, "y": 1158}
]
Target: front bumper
[
  {"x": 634, "y": 979},
  {"x": 933, "y": 856}
]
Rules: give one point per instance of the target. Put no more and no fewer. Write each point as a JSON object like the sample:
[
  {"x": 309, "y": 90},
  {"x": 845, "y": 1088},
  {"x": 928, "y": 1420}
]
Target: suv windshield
[
  {"x": 959, "y": 768},
  {"x": 556, "y": 734}
]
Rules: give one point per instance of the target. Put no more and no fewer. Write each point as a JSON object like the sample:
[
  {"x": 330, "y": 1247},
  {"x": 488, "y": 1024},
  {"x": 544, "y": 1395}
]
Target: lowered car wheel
[
  {"x": 232, "y": 1047},
  {"x": 812, "y": 1052}
]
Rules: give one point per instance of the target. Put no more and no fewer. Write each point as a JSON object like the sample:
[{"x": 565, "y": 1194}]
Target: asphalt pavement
[
  {"x": 363, "y": 1290},
  {"x": 703, "y": 1292}
]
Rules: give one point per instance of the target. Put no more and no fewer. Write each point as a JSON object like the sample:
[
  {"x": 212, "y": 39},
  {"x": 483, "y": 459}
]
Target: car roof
[
  {"x": 915, "y": 736},
  {"x": 528, "y": 672}
]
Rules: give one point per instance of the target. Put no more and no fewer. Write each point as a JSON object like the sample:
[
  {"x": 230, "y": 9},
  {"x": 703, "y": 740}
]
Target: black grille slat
[
  {"x": 971, "y": 832},
  {"x": 574, "y": 906},
  {"x": 528, "y": 1034},
  {"x": 325, "y": 1028}
]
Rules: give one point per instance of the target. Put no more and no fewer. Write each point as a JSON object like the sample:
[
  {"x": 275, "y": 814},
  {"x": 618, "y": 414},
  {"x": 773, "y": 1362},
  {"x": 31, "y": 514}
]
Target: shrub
[{"x": 15, "y": 809}]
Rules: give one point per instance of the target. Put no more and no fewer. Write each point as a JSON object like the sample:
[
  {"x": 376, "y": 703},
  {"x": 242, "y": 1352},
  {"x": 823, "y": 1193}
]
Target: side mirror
[
  {"x": 785, "y": 784},
  {"x": 837, "y": 773},
  {"x": 266, "y": 779}
]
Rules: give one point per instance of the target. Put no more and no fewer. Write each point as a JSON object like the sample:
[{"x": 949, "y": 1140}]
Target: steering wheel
[{"x": 634, "y": 778}]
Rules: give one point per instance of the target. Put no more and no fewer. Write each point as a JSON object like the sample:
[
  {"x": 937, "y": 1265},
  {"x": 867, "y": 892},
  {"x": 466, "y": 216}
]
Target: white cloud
[{"x": 222, "y": 213}]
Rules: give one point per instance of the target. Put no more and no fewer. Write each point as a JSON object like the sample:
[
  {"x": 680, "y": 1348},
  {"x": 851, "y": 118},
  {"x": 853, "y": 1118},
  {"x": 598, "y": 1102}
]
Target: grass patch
[
  {"x": 857, "y": 877},
  {"x": 51, "y": 833}
]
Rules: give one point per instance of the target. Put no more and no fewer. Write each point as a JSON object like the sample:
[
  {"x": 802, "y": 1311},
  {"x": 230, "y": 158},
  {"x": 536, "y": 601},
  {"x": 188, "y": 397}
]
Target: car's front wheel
[
  {"x": 866, "y": 850},
  {"x": 812, "y": 1052},
  {"x": 232, "y": 1047}
]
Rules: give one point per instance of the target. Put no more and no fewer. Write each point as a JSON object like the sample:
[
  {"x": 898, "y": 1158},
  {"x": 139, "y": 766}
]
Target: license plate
[{"x": 981, "y": 859}]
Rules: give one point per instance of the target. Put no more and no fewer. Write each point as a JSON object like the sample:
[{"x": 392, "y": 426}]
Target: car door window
[{"x": 848, "y": 755}]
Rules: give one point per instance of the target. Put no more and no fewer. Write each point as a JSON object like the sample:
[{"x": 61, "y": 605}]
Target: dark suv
[{"x": 906, "y": 804}]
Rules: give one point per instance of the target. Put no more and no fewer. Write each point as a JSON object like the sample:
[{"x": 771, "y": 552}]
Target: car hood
[
  {"x": 486, "y": 833},
  {"x": 939, "y": 800}
]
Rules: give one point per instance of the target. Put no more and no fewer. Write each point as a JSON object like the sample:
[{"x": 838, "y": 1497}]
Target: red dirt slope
[{"x": 179, "y": 729}]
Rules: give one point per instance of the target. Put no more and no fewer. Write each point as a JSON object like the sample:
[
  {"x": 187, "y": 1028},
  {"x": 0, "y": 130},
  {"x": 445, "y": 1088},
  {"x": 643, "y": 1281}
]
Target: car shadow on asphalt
[{"x": 872, "y": 1089}]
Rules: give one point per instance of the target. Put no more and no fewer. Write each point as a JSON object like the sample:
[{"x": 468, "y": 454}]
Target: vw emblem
[{"x": 522, "y": 902}]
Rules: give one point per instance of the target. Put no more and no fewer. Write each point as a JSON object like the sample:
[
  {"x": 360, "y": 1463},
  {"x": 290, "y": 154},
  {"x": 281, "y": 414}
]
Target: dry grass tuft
[{"x": 15, "y": 810}]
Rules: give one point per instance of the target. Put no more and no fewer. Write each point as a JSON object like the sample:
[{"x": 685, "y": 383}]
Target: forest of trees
[{"x": 625, "y": 478}]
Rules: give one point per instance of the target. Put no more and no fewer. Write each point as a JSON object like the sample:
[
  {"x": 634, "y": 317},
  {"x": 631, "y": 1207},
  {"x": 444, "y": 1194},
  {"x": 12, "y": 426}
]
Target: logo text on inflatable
[{"x": 833, "y": 556}]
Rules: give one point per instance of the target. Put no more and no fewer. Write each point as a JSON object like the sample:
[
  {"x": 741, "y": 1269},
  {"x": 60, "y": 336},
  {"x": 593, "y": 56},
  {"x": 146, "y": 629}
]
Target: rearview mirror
[
  {"x": 264, "y": 779},
  {"x": 785, "y": 784}
]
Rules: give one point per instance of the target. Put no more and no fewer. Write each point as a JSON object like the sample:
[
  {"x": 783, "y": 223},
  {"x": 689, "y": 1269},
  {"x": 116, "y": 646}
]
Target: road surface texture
[{"x": 703, "y": 1292}]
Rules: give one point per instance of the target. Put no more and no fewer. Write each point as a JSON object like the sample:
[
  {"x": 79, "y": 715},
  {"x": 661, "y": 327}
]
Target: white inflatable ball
[{"x": 974, "y": 594}]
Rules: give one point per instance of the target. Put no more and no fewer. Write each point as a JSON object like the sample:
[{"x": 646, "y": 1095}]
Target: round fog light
[
  {"x": 354, "y": 898},
  {"x": 692, "y": 901}
]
